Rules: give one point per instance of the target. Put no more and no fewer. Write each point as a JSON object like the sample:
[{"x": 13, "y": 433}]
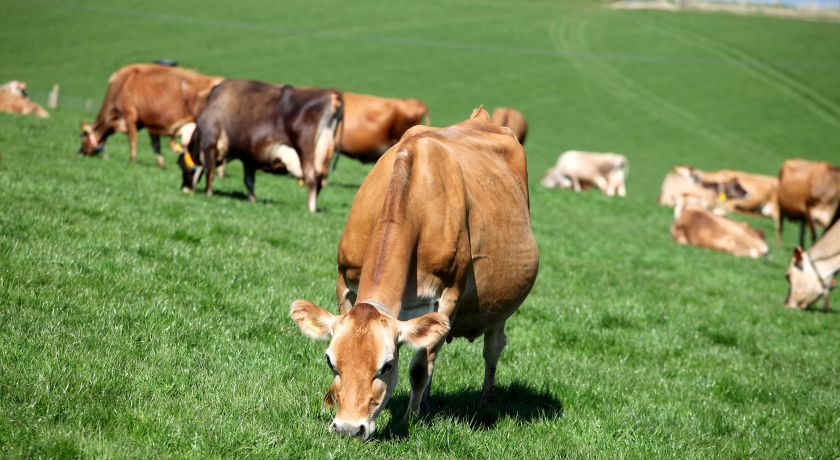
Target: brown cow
[
  {"x": 811, "y": 274},
  {"x": 809, "y": 192},
  {"x": 13, "y": 103},
  {"x": 683, "y": 184},
  {"x": 438, "y": 245},
  {"x": 276, "y": 128},
  {"x": 159, "y": 98},
  {"x": 696, "y": 226},
  {"x": 513, "y": 119},
  {"x": 759, "y": 199},
  {"x": 373, "y": 124}
]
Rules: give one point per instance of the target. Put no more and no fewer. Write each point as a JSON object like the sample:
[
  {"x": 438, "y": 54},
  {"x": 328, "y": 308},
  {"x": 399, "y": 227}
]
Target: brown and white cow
[
  {"x": 275, "y": 128},
  {"x": 696, "y": 226},
  {"x": 513, "y": 119},
  {"x": 165, "y": 100},
  {"x": 684, "y": 184},
  {"x": 577, "y": 170},
  {"x": 13, "y": 99},
  {"x": 15, "y": 87},
  {"x": 438, "y": 245},
  {"x": 760, "y": 190},
  {"x": 811, "y": 273},
  {"x": 373, "y": 124},
  {"x": 809, "y": 192}
]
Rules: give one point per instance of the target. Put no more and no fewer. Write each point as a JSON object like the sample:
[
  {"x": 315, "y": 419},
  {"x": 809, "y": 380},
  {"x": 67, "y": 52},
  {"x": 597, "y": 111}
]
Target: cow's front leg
[
  {"x": 494, "y": 343},
  {"x": 155, "y": 138},
  {"x": 250, "y": 172},
  {"x": 420, "y": 376},
  {"x": 132, "y": 141},
  {"x": 209, "y": 160}
]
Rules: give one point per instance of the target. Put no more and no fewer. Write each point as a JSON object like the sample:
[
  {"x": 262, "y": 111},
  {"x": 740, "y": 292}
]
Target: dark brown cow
[
  {"x": 513, "y": 119},
  {"x": 276, "y": 128},
  {"x": 809, "y": 192},
  {"x": 373, "y": 124},
  {"x": 159, "y": 98}
]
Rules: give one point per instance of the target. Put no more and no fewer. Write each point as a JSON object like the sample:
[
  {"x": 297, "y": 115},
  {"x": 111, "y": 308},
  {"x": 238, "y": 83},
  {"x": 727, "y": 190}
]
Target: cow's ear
[
  {"x": 797, "y": 257},
  {"x": 312, "y": 320},
  {"x": 425, "y": 331}
]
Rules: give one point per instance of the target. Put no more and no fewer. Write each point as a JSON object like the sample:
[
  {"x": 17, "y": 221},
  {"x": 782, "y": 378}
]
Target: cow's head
[
  {"x": 805, "y": 283},
  {"x": 90, "y": 144},
  {"x": 363, "y": 354},
  {"x": 554, "y": 179},
  {"x": 689, "y": 172}
]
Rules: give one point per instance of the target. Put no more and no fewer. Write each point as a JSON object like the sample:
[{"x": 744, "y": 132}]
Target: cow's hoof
[
  {"x": 300, "y": 182},
  {"x": 186, "y": 190},
  {"x": 252, "y": 198},
  {"x": 208, "y": 193},
  {"x": 160, "y": 162}
]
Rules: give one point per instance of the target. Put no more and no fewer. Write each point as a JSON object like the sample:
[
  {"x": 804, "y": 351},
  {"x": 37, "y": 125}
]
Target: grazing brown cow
[
  {"x": 683, "y": 184},
  {"x": 373, "y": 124},
  {"x": 159, "y": 98},
  {"x": 438, "y": 245},
  {"x": 276, "y": 128},
  {"x": 760, "y": 190},
  {"x": 811, "y": 274},
  {"x": 809, "y": 192},
  {"x": 696, "y": 226},
  {"x": 513, "y": 119}
]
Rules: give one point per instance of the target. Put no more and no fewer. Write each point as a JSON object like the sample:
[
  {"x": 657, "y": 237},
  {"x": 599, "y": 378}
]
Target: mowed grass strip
[{"x": 137, "y": 321}]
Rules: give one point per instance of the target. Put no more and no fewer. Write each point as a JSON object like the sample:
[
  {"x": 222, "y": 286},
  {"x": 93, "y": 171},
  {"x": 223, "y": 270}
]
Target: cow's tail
[
  {"x": 325, "y": 144},
  {"x": 340, "y": 137}
]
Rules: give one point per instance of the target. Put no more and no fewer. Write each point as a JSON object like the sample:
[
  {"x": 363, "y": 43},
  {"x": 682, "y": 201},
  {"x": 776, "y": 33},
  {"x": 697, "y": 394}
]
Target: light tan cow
[
  {"x": 696, "y": 226},
  {"x": 809, "y": 192},
  {"x": 577, "y": 170},
  {"x": 15, "y": 87},
  {"x": 760, "y": 197},
  {"x": 811, "y": 274},
  {"x": 684, "y": 184},
  {"x": 438, "y": 245},
  {"x": 513, "y": 119},
  {"x": 13, "y": 99}
]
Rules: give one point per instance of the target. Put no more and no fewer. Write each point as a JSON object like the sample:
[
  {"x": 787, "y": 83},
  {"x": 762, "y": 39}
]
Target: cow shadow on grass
[
  {"x": 516, "y": 401},
  {"x": 242, "y": 196}
]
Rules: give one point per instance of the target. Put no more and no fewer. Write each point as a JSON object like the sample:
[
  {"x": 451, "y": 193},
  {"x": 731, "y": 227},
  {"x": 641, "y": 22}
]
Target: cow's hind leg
[
  {"x": 494, "y": 342},
  {"x": 155, "y": 138},
  {"x": 132, "y": 140},
  {"x": 250, "y": 172}
]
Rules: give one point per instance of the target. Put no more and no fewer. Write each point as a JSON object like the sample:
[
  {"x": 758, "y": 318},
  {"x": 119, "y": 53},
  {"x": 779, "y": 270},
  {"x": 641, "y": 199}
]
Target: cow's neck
[
  {"x": 825, "y": 255},
  {"x": 391, "y": 250}
]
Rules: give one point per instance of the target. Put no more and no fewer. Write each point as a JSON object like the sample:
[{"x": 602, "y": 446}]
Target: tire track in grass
[
  {"x": 569, "y": 36},
  {"x": 809, "y": 98}
]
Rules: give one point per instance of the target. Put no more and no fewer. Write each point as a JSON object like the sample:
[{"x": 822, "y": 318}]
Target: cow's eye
[
  {"x": 329, "y": 363},
  {"x": 387, "y": 367}
]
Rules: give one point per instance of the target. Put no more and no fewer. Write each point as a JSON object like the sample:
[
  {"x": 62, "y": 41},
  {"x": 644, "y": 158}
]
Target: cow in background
[
  {"x": 13, "y": 99},
  {"x": 577, "y": 170},
  {"x": 760, "y": 190},
  {"x": 811, "y": 273},
  {"x": 809, "y": 192},
  {"x": 165, "y": 100},
  {"x": 373, "y": 124},
  {"x": 275, "y": 128},
  {"x": 512, "y": 119},
  {"x": 684, "y": 184},
  {"x": 696, "y": 226}
]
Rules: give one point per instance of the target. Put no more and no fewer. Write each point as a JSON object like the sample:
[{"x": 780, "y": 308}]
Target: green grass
[{"x": 137, "y": 321}]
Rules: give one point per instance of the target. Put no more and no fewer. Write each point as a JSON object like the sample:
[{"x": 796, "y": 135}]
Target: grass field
[{"x": 136, "y": 321}]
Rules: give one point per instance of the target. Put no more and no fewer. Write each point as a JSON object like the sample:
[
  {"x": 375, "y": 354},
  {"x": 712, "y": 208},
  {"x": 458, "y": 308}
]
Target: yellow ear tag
[
  {"x": 722, "y": 197},
  {"x": 312, "y": 326},
  {"x": 188, "y": 160},
  {"x": 177, "y": 148}
]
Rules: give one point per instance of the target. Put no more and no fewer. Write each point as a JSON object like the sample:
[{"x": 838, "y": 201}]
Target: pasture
[{"x": 137, "y": 321}]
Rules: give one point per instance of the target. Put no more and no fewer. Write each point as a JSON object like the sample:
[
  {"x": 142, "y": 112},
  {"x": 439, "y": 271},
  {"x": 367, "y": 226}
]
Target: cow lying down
[
  {"x": 13, "y": 99},
  {"x": 811, "y": 273},
  {"x": 683, "y": 184},
  {"x": 578, "y": 170},
  {"x": 695, "y": 226}
]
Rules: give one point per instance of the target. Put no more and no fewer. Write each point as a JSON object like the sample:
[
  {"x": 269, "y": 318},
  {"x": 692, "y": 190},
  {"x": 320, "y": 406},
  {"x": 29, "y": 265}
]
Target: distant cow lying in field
[
  {"x": 578, "y": 170},
  {"x": 760, "y": 190},
  {"x": 373, "y": 124},
  {"x": 278, "y": 129},
  {"x": 513, "y": 119},
  {"x": 809, "y": 192},
  {"x": 811, "y": 273},
  {"x": 438, "y": 244},
  {"x": 695, "y": 226},
  {"x": 165, "y": 100},
  {"x": 13, "y": 99},
  {"x": 683, "y": 184}
]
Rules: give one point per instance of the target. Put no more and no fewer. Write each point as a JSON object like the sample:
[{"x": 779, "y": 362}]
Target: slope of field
[{"x": 138, "y": 321}]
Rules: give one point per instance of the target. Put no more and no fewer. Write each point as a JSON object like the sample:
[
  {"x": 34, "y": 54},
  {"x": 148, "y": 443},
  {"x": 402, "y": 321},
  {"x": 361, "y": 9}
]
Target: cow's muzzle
[{"x": 362, "y": 429}]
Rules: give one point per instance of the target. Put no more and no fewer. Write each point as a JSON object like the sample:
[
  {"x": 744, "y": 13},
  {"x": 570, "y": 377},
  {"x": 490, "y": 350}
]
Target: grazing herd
[{"x": 438, "y": 243}]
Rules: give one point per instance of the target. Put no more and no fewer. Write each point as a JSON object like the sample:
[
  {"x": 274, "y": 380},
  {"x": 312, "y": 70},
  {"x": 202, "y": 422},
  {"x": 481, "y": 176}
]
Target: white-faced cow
[
  {"x": 809, "y": 192},
  {"x": 811, "y": 273},
  {"x": 165, "y": 100},
  {"x": 438, "y": 245},
  {"x": 275, "y": 128},
  {"x": 512, "y": 119},
  {"x": 578, "y": 170},
  {"x": 373, "y": 124}
]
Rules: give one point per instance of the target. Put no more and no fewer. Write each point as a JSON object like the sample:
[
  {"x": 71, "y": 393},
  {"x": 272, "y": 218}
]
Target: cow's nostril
[
  {"x": 361, "y": 431},
  {"x": 333, "y": 426}
]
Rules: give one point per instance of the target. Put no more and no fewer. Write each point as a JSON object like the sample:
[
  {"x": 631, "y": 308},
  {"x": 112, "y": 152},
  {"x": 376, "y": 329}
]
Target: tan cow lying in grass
[
  {"x": 13, "y": 99},
  {"x": 811, "y": 273},
  {"x": 696, "y": 226},
  {"x": 760, "y": 190},
  {"x": 438, "y": 245},
  {"x": 577, "y": 170},
  {"x": 683, "y": 184}
]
